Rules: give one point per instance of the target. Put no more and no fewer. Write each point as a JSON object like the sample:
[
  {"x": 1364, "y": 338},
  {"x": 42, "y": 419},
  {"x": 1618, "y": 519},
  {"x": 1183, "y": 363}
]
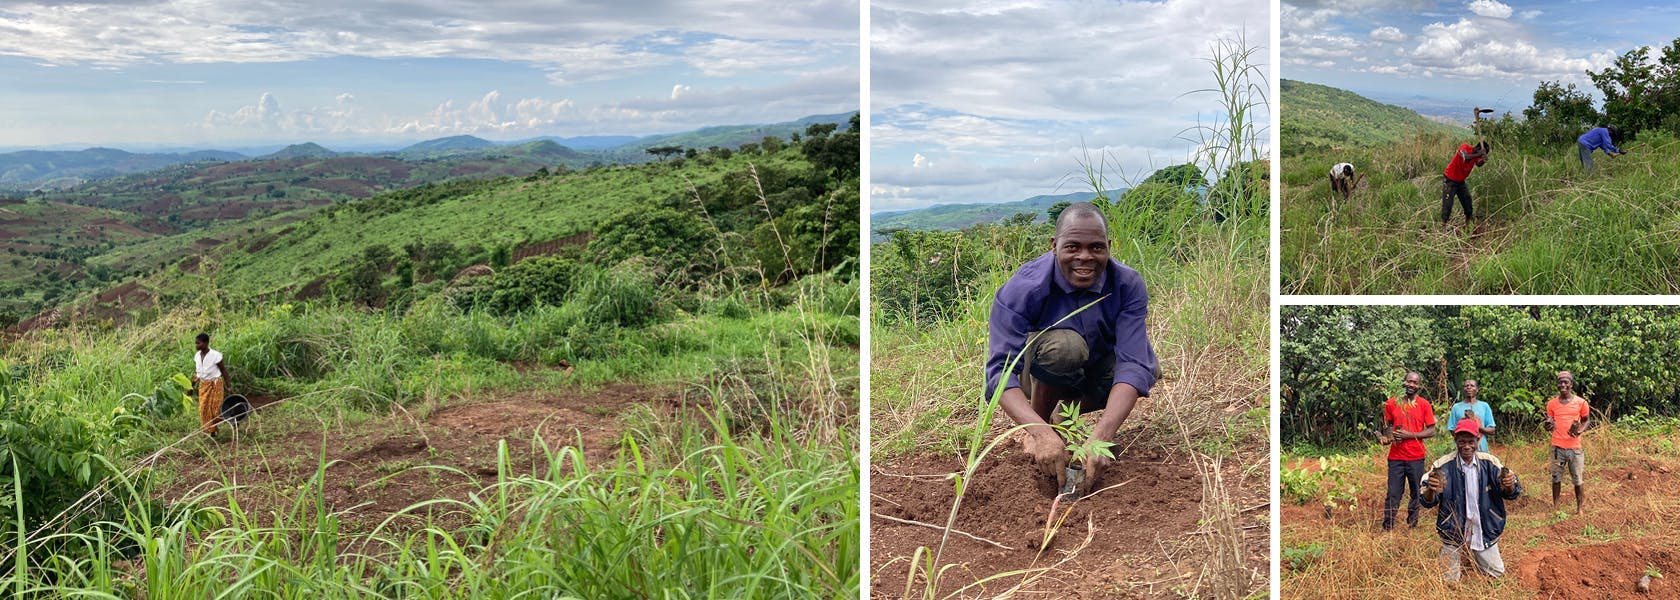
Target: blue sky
[
  {"x": 229, "y": 72},
  {"x": 1489, "y": 53},
  {"x": 999, "y": 100}
]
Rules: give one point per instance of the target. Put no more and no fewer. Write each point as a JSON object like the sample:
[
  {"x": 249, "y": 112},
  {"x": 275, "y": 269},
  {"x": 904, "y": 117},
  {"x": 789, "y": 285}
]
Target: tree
[
  {"x": 1020, "y": 219},
  {"x": 1055, "y": 210},
  {"x": 664, "y": 152},
  {"x": 1185, "y": 175}
]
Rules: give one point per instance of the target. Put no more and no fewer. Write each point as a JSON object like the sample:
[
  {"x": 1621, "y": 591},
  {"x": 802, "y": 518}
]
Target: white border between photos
[{"x": 864, "y": 344}]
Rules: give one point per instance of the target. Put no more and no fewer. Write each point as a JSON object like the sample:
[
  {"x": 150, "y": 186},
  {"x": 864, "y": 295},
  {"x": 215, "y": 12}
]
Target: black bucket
[{"x": 235, "y": 408}]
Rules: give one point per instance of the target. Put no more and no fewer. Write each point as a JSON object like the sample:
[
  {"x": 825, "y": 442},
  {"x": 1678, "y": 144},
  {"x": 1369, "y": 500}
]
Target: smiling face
[
  {"x": 1412, "y": 383},
  {"x": 1470, "y": 389},
  {"x": 1081, "y": 246},
  {"x": 1565, "y": 384},
  {"x": 1466, "y": 444}
]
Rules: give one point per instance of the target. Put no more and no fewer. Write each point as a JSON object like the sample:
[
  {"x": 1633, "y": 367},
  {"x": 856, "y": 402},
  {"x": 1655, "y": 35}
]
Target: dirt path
[
  {"x": 1144, "y": 544},
  {"x": 371, "y": 472}
]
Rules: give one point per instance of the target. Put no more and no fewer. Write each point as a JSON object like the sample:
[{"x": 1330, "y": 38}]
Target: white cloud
[
  {"x": 1491, "y": 8},
  {"x": 1493, "y": 49},
  {"x": 578, "y": 42},
  {"x": 345, "y": 98},
  {"x": 920, "y": 161},
  {"x": 490, "y": 114},
  {"x": 678, "y": 90},
  {"x": 1388, "y": 34},
  {"x": 1530, "y": 15}
]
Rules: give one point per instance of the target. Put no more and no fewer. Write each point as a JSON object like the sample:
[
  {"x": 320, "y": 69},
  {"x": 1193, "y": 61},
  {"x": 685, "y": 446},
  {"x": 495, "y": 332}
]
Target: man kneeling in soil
[
  {"x": 1471, "y": 488},
  {"x": 1100, "y": 357}
]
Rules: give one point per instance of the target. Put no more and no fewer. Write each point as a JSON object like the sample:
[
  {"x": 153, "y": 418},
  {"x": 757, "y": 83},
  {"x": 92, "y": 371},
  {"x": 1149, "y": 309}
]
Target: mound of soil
[
  {"x": 1604, "y": 571},
  {"x": 1139, "y": 526}
]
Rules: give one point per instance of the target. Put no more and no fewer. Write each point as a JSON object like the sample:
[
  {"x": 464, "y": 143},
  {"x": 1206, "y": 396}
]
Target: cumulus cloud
[
  {"x": 920, "y": 161},
  {"x": 1491, "y": 8},
  {"x": 678, "y": 90},
  {"x": 1472, "y": 49},
  {"x": 1388, "y": 34},
  {"x": 487, "y": 115}
]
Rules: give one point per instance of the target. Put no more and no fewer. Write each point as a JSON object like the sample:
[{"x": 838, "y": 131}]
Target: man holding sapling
[
  {"x": 1472, "y": 408},
  {"x": 1566, "y": 418},
  {"x": 1471, "y": 488},
  {"x": 1069, "y": 325},
  {"x": 1407, "y": 421}
]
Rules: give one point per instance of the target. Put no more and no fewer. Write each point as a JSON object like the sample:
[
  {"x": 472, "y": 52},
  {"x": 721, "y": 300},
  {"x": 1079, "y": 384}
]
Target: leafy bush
[{"x": 534, "y": 281}]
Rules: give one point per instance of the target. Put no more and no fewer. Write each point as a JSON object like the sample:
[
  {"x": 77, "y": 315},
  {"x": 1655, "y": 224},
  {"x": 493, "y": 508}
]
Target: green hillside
[
  {"x": 722, "y": 136},
  {"x": 659, "y": 360},
  {"x": 1323, "y": 117},
  {"x": 951, "y": 217}
]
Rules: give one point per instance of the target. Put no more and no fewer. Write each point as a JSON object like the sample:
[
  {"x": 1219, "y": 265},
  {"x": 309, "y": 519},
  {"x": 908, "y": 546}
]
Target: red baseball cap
[{"x": 1468, "y": 425}]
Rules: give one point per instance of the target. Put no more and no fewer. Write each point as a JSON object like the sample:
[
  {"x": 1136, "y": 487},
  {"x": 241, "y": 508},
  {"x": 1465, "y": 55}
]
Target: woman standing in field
[{"x": 211, "y": 377}]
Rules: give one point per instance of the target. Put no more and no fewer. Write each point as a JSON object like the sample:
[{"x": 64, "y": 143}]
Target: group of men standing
[{"x": 1471, "y": 485}]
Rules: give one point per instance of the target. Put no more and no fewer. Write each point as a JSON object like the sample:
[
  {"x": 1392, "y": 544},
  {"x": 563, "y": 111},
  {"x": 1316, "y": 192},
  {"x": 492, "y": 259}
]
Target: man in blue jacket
[
  {"x": 1471, "y": 488},
  {"x": 1099, "y": 358},
  {"x": 1598, "y": 138}
]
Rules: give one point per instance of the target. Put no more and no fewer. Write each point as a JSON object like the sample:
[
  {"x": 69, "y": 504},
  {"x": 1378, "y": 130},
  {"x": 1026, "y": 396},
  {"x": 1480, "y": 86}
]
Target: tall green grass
[{"x": 1549, "y": 227}]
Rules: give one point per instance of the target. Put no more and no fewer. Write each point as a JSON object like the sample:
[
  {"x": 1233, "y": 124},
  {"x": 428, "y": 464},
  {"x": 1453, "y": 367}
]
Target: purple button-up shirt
[{"x": 1038, "y": 295}]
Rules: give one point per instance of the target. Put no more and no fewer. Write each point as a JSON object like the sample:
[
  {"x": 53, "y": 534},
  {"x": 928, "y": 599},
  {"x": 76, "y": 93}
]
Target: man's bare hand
[
  {"x": 1095, "y": 468},
  {"x": 1434, "y": 484},
  {"x": 1575, "y": 429},
  {"x": 1507, "y": 480},
  {"x": 1050, "y": 453}
]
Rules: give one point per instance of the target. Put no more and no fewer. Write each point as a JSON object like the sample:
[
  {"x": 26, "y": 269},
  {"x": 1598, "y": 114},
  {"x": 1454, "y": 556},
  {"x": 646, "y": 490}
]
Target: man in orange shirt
[
  {"x": 1566, "y": 416},
  {"x": 1407, "y": 421},
  {"x": 1465, "y": 160}
]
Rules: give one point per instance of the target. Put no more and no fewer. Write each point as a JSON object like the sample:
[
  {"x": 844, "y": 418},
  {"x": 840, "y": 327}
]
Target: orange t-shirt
[{"x": 1563, "y": 416}]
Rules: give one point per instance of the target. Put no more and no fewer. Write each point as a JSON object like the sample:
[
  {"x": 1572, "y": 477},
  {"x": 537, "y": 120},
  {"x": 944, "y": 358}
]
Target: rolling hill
[
  {"x": 1319, "y": 116},
  {"x": 951, "y": 217},
  {"x": 44, "y": 169},
  {"x": 722, "y": 136}
]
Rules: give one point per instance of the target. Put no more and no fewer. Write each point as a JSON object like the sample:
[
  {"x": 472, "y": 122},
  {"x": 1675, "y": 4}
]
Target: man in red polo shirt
[
  {"x": 1466, "y": 159},
  {"x": 1407, "y": 421}
]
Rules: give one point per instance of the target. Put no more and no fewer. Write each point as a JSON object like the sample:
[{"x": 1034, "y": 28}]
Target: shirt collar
[
  {"x": 1460, "y": 461},
  {"x": 1067, "y": 288}
]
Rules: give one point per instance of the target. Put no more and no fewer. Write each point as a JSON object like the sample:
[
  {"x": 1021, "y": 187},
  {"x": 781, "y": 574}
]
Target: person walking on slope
[
  {"x": 1466, "y": 159},
  {"x": 1471, "y": 489},
  {"x": 1596, "y": 139}
]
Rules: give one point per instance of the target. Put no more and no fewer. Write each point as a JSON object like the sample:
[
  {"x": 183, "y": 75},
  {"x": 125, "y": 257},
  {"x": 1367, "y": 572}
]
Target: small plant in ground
[
  {"x": 1652, "y": 571},
  {"x": 1300, "y": 557},
  {"x": 1299, "y": 485},
  {"x": 1081, "y": 444}
]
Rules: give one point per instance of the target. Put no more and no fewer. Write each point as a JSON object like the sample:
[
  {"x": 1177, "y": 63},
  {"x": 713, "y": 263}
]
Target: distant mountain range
[
  {"x": 1322, "y": 116},
  {"x": 29, "y": 170},
  {"x": 951, "y": 217}
]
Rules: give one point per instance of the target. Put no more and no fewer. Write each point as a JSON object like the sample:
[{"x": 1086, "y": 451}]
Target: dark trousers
[
  {"x": 1449, "y": 189},
  {"x": 1586, "y": 157},
  {"x": 1403, "y": 473}
]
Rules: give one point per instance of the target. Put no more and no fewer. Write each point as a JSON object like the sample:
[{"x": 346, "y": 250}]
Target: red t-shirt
[
  {"x": 1409, "y": 417},
  {"x": 1458, "y": 169}
]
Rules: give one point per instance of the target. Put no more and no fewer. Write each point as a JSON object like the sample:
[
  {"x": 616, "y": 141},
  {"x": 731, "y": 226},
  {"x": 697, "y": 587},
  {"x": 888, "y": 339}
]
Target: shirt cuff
[{"x": 1136, "y": 375}]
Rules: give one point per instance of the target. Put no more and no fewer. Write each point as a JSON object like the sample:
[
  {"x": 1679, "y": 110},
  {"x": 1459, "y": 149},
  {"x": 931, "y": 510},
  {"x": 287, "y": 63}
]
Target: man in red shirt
[
  {"x": 1566, "y": 416},
  {"x": 1466, "y": 159},
  {"x": 1407, "y": 421}
]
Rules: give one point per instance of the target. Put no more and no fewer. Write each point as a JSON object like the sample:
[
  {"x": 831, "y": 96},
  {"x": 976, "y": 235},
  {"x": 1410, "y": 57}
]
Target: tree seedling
[{"x": 1081, "y": 445}]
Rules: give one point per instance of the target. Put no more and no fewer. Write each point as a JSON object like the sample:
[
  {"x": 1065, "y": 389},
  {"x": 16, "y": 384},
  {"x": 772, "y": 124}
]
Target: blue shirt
[
  {"x": 1480, "y": 410},
  {"x": 1037, "y": 296},
  {"x": 1596, "y": 139}
]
